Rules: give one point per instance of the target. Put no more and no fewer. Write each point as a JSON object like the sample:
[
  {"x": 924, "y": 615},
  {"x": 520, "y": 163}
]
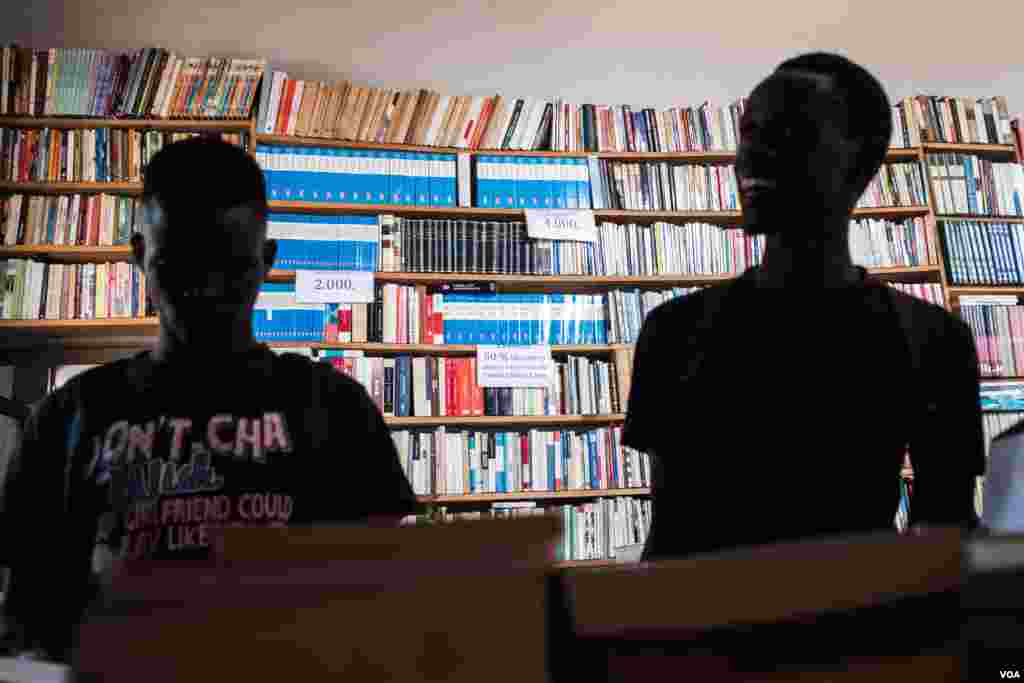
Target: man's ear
[
  {"x": 269, "y": 254},
  {"x": 138, "y": 243}
]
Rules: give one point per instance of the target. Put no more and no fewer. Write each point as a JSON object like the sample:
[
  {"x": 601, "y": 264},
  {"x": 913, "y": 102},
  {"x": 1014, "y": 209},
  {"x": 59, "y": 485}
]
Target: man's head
[
  {"x": 203, "y": 247},
  {"x": 812, "y": 137}
]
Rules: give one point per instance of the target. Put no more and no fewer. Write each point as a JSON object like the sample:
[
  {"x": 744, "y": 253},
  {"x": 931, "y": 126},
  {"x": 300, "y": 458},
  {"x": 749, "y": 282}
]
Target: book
[
  {"x": 664, "y": 186},
  {"x": 52, "y": 219},
  {"x": 36, "y": 291},
  {"x": 896, "y": 184}
]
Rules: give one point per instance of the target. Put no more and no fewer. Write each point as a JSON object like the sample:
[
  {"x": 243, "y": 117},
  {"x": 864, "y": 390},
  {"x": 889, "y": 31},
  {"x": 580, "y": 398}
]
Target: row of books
[
  {"x": 151, "y": 82},
  {"x": 84, "y": 291},
  {"x": 450, "y": 462},
  {"x": 627, "y": 309},
  {"x": 930, "y": 292},
  {"x": 86, "y": 155},
  {"x": 896, "y": 184},
  {"x": 998, "y": 327},
  {"x": 663, "y": 186},
  {"x": 968, "y": 184},
  {"x": 983, "y": 253},
  {"x": 452, "y": 246},
  {"x": 314, "y": 242},
  {"x": 430, "y": 386},
  {"x": 931, "y": 118},
  {"x": 881, "y": 243},
  {"x": 358, "y": 176},
  {"x": 993, "y": 425},
  {"x": 78, "y": 219},
  {"x": 345, "y": 111},
  {"x": 509, "y": 182}
]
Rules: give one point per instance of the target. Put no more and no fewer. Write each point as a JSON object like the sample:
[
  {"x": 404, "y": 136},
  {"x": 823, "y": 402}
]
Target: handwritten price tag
[
  {"x": 561, "y": 224},
  {"x": 334, "y": 286},
  {"x": 513, "y": 366}
]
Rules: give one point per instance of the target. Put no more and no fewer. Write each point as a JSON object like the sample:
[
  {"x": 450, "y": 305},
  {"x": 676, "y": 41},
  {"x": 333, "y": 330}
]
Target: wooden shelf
[
  {"x": 68, "y": 253},
  {"x": 588, "y": 564},
  {"x": 438, "y": 349},
  {"x": 532, "y": 281},
  {"x": 225, "y": 125},
  {"x": 506, "y": 421},
  {"x": 331, "y": 208},
  {"x": 979, "y": 219},
  {"x": 62, "y": 187},
  {"x": 61, "y": 328},
  {"x": 534, "y": 495},
  {"x": 969, "y": 291},
  {"x": 969, "y": 148},
  {"x": 710, "y": 156},
  {"x": 889, "y": 211}
]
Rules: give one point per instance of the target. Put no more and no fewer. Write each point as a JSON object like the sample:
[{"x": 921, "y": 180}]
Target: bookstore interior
[{"x": 443, "y": 209}]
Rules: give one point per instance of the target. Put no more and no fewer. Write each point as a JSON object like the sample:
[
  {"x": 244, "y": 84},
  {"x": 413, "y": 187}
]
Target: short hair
[
  {"x": 204, "y": 174},
  {"x": 870, "y": 113}
]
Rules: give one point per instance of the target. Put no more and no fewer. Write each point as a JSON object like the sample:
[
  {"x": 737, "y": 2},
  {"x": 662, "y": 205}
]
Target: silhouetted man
[
  {"x": 209, "y": 429},
  {"x": 780, "y": 404}
]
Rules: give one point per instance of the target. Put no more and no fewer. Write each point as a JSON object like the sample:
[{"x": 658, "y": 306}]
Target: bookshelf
[{"x": 70, "y": 334}]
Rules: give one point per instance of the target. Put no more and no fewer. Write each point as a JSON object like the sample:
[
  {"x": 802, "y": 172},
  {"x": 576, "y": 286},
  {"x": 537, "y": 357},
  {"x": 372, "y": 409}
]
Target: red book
[
  {"x": 426, "y": 318},
  {"x": 285, "y": 107},
  {"x": 93, "y": 237},
  {"x": 465, "y": 401},
  {"x": 477, "y": 393},
  {"x": 449, "y": 380},
  {"x": 331, "y": 325},
  {"x": 345, "y": 322},
  {"x": 524, "y": 448}
]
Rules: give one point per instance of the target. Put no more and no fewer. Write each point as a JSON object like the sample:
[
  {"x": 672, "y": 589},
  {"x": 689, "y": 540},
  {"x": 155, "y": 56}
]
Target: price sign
[
  {"x": 561, "y": 224},
  {"x": 513, "y": 366},
  {"x": 334, "y": 286}
]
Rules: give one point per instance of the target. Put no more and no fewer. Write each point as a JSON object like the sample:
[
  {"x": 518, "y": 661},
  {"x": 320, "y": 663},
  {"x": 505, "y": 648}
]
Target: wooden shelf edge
[
  {"x": 439, "y": 349},
  {"x": 70, "y": 187},
  {"x": 498, "y": 420},
  {"x": 226, "y": 125},
  {"x": 534, "y": 495},
  {"x": 978, "y": 219},
  {"x": 868, "y": 212},
  {"x": 974, "y": 291},
  {"x": 968, "y": 148},
  {"x": 96, "y": 323}
]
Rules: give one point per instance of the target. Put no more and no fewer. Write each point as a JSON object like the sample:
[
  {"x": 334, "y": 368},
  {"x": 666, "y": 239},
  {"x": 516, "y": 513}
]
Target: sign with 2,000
[{"x": 334, "y": 286}]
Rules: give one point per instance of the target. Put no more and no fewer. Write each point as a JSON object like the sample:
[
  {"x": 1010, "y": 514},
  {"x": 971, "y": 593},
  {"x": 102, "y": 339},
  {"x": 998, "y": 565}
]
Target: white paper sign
[
  {"x": 561, "y": 224},
  {"x": 334, "y": 286},
  {"x": 513, "y": 366}
]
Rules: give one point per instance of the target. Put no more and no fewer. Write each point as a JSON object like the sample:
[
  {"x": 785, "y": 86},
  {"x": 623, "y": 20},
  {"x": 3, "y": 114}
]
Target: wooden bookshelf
[
  {"x": 979, "y": 219},
  {"x": 597, "y": 282},
  {"x": 707, "y": 156},
  {"x": 222, "y": 125},
  {"x": 507, "y": 420},
  {"x": 968, "y": 148},
  {"x": 378, "y": 348},
  {"x": 891, "y": 211},
  {"x": 534, "y": 495},
  {"x": 62, "y": 253},
  {"x": 586, "y": 564},
  {"x": 332, "y": 208},
  {"x": 62, "y": 328},
  {"x": 77, "y": 188},
  {"x": 969, "y": 291}
]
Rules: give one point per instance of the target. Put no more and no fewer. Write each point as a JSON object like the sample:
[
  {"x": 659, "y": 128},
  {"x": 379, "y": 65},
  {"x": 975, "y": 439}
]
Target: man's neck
[
  {"x": 173, "y": 347},
  {"x": 801, "y": 263}
]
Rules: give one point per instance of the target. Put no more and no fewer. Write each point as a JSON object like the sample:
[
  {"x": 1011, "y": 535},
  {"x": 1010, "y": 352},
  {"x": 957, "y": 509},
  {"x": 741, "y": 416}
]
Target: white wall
[{"x": 651, "y": 52}]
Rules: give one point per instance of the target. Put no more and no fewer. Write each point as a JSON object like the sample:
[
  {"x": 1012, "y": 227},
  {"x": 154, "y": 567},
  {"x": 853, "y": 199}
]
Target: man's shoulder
[
  {"x": 926, "y": 316},
  {"x": 92, "y": 384},
  {"x": 691, "y": 306},
  {"x": 319, "y": 375}
]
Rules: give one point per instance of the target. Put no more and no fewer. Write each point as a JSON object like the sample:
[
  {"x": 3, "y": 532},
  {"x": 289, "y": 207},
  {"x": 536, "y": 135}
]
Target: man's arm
[
  {"x": 379, "y": 474},
  {"x": 948, "y": 449},
  {"x": 45, "y": 546}
]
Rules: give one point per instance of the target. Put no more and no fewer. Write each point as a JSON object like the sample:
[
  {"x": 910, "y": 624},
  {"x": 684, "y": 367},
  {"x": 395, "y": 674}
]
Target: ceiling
[{"x": 640, "y": 52}]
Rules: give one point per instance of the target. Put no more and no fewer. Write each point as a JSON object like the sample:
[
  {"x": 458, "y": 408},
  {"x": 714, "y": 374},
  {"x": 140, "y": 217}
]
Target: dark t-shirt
[
  {"x": 790, "y": 417},
  {"x": 148, "y": 456}
]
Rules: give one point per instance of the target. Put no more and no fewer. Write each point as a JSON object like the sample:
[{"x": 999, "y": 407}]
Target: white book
[
  {"x": 421, "y": 406},
  {"x": 436, "y": 120},
  {"x": 277, "y": 80}
]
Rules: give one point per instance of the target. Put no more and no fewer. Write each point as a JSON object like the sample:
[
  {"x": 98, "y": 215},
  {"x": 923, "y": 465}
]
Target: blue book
[
  {"x": 548, "y": 179},
  {"x": 563, "y": 182},
  {"x": 421, "y": 178},
  {"x": 583, "y": 175},
  {"x": 451, "y": 196},
  {"x": 380, "y": 165},
  {"x": 482, "y": 186},
  {"x": 328, "y": 180},
  {"x": 508, "y": 182},
  {"x": 399, "y": 181}
]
